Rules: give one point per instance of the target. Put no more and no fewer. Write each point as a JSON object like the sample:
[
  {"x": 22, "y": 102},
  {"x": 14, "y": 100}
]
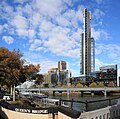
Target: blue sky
[{"x": 47, "y": 31}]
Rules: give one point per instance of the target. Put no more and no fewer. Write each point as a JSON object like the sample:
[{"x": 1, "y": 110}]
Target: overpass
[{"x": 68, "y": 90}]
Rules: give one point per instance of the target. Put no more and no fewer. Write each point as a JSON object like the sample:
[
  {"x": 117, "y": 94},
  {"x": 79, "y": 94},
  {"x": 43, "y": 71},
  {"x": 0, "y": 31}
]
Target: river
[{"x": 91, "y": 106}]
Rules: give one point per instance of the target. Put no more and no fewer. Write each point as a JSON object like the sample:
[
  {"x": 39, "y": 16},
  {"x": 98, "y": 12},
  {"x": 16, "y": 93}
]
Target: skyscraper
[{"x": 87, "y": 49}]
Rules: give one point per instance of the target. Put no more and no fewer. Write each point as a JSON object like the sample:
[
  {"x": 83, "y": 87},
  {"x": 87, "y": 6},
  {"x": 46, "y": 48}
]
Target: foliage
[
  {"x": 64, "y": 86},
  {"x": 85, "y": 86},
  {"x": 79, "y": 85},
  {"x": 111, "y": 84},
  {"x": 12, "y": 68},
  {"x": 101, "y": 84},
  {"x": 72, "y": 86},
  {"x": 29, "y": 72},
  {"x": 39, "y": 79},
  {"x": 93, "y": 85},
  {"x": 10, "y": 65}
]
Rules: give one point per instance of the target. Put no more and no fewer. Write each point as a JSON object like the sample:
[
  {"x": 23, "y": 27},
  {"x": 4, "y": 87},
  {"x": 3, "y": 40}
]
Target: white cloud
[
  {"x": 75, "y": 53},
  {"x": 20, "y": 1},
  {"x": 109, "y": 50},
  {"x": 60, "y": 42},
  {"x": 8, "y": 39},
  {"x": 1, "y": 28},
  {"x": 35, "y": 44},
  {"x": 98, "y": 13},
  {"x": 48, "y": 64},
  {"x": 78, "y": 16},
  {"x": 100, "y": 34},
  {"x": 98, "y": 63},
  {"x": 20, "y": 22},
  {"x": 62, "y": 21},
  {"x": 51, "y": 25},
  {"x": 31, "y": 33},
  {"x": 95, "y": 34},
  {"x": 21, "y": 25},
  {"x": 76, "y": 35},
  {"x": 49, "y": 7},
  {"x": 52, "y": 22},
  {"x": 46, "y": 26},
  {"x": 99, "y": 1},
  {"x": 36, "y": 19}
]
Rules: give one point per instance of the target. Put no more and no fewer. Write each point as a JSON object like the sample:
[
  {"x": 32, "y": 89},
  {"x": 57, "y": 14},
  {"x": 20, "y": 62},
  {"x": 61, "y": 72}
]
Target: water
[{"x": 91, "y": 106}]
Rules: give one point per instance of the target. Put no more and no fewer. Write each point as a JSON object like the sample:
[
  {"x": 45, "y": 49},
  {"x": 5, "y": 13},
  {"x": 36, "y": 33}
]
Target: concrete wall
[
  {"x": 63, "y": 116},
  {"x": 8, "y": 114},
  {"x": 104, "y": 113},
  {"x": 115, "y": 112}
]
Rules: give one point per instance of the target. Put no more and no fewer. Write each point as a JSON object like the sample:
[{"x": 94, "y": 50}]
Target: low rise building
[{"x": 107, "y": 74}]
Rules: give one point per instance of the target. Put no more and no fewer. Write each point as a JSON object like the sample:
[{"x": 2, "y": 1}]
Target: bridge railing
[{"x": 88, "y": 105}]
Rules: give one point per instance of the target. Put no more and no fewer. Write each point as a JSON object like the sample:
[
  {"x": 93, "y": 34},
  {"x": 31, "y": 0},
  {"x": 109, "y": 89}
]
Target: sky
[{"x": 46, "y": 31}]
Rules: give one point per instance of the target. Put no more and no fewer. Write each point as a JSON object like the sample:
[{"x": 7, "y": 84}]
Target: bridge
[{"x": 68, "y": 90}]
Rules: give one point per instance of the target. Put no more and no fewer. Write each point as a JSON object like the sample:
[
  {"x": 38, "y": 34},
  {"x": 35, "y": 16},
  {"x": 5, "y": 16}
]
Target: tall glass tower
[{"x": 87, "y": 48}]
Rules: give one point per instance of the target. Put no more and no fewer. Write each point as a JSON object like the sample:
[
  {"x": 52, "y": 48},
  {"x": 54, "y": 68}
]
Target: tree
[
  {"x": 29, "y": 72},
  {"x": 12, "y": 69},
  {"x": 101, "y": 84},
  {"x": 111, "y": 84},
  {"x": 3, "y": 73},
  {"x": 93, "y": 85},
  {"x": 85, "y": 86},
  {"x": 79, "y": 85},
  {"x": 12, "y": 65},
  {"x": 64, "y": 86},
  {"x": 72, "y": 86},
  {"x": 39, "y": 79}
]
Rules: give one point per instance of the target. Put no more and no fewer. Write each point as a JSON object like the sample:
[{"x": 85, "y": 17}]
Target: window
[
  {"x": 113, "y": 113},
  {"x": 96, "y": 117},
  {"x": 104, "y": 116},
  {"x": 108, "y": 115},
  {"x": 100, "y": 117},
  {"x": 116, "y": 113}
]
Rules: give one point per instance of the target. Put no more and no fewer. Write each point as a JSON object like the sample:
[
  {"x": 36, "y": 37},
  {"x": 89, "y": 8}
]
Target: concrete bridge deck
[
  {"x": 68, "y": 90},
  {"x": 72, "y": 89}
]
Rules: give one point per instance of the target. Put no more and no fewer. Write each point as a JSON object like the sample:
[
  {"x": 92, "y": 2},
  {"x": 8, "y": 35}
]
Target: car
[{"x": 7, "y": 97}]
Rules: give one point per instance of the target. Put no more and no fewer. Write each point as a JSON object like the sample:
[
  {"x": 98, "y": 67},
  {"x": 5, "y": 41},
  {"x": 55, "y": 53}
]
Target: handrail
[{"x": 86, "y": 102}]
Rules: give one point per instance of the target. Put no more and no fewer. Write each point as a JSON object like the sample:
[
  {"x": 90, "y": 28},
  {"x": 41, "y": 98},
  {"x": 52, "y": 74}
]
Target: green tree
[
  {"x": 79, "y": 85},
  {"x": 72, "y": 86},
  {"x": 111, "y": 84},
  {"x": 64, "y": 86},
  {"x": 101, "y": 84},
  {"x": 93, "y": 85},
  {"x": 85, "y": 86}
]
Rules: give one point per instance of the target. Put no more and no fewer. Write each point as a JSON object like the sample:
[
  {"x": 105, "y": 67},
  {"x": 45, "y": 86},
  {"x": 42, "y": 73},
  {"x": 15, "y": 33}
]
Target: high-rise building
[
  {"x": 87, "y": 48},
  {"x": 57, "y": 76},
  {"x": 62, "y": 65}
]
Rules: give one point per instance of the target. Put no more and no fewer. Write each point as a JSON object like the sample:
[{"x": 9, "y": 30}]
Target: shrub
[
  {"x": 101, "y": 84},
  {"x": 92, "y": 85},
  {"x": 79, "y": 85}
]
